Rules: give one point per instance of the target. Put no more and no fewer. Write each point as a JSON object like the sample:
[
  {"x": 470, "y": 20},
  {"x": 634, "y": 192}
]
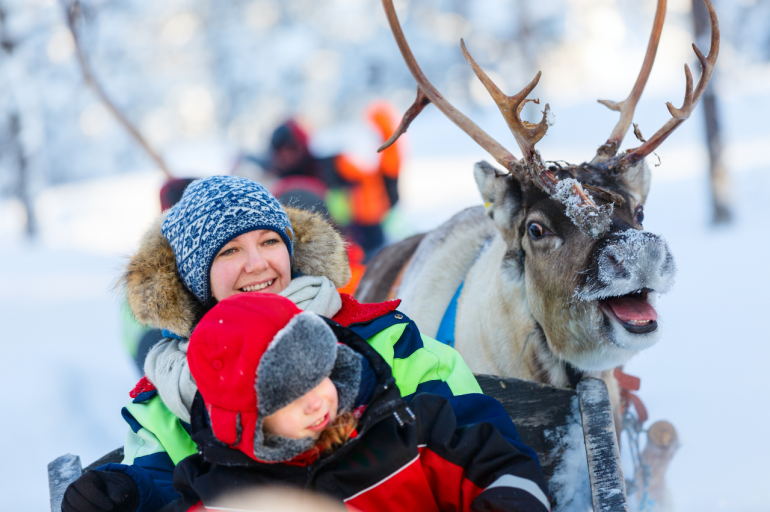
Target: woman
[{"x": 227, "y": 236}]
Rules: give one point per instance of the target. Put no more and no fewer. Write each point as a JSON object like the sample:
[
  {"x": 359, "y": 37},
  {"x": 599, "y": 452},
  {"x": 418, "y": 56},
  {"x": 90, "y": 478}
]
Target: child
[{"x": 290, "y": 398}]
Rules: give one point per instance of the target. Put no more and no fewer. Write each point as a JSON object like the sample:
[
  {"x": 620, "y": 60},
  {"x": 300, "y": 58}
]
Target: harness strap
[
  {"x": 628, "y": 384},
  {"x": 446, "y": 329}
]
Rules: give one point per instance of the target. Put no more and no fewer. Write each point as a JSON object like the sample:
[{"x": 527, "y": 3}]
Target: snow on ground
[
  {"x": 708, "y": 373},
  {"x": 67, "y": 375}
]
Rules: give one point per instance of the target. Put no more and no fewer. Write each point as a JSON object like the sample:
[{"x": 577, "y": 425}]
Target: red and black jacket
[{"x": 404, "y": 458}]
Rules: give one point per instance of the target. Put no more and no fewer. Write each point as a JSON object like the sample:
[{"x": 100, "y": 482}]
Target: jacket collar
[{"x": 353, "y": 312}]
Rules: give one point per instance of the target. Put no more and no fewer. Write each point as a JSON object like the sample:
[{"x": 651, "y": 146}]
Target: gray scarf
[
  {"x": 166, "y": 363},
  {"x": 316, "y": 294}
]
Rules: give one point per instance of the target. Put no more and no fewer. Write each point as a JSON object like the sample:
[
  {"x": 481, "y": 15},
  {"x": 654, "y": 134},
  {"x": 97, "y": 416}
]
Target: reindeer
[{"x": 558, "y": 276}]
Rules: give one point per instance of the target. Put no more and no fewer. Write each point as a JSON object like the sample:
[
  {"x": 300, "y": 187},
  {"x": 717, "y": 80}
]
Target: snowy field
[{"x": 67, "y": 374}]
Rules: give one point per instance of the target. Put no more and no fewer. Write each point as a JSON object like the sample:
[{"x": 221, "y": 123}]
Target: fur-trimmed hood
[{"x": 157, "y": 296}]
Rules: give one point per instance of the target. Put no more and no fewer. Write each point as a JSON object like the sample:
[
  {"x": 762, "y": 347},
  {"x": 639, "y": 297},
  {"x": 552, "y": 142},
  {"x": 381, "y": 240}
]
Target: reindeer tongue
[{"x": 632, "y": 309}]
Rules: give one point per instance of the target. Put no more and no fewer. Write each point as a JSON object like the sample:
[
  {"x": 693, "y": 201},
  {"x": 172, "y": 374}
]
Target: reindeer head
[{"x": 574, "y": 233}]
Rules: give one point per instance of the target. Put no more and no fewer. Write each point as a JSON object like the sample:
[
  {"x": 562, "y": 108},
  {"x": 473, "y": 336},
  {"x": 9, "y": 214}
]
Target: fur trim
[
  {"x": 155, "y": 293},
  {"x": 318, "y": 249},
  {"x": 157, "y": 296},
  {"x": 301, "y": 355},
  {"x": 346, "y": 377},
  {"x": 280, "y": 449}
]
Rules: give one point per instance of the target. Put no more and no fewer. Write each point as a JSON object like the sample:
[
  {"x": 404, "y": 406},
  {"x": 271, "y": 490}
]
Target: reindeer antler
[
  {"x": 691, "y": 99},
  {"x": 427, "y": 93},
  {"x": 420, "y": 103},
  {"x": 72, "y": 13},
  {"x": 525, "y": 133},
  {"x": 627, "y": 106},
  {"x": 590, "y": 218}
]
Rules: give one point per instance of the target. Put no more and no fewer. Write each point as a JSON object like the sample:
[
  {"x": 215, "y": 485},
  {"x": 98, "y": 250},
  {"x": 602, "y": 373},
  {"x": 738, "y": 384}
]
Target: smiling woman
[{"x": 228, "y": 237}]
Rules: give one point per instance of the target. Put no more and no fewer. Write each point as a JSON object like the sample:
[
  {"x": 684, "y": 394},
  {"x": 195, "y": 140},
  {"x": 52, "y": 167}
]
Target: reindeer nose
[
  {"x": 616, "y": 264},
  {"x": 638, "y": 256},
  {"x": 627, "y": 262}
]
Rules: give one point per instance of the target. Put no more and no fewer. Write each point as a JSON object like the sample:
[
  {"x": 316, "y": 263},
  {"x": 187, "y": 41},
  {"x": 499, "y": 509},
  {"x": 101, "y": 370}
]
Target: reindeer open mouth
[
  {"x": 633, "y": 311},
  {"x": 628, "y": 274}
]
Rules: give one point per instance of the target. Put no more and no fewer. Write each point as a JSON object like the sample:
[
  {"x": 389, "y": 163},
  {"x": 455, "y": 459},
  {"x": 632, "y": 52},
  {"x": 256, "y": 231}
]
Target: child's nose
[{"x": 313, "y": 403}]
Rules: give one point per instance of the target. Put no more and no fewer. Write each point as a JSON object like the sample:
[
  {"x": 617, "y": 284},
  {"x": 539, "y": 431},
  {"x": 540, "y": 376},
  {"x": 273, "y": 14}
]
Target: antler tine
[
  {"x": 627, "y": 106},
  {"x": 691, "y": 99},
  {"x": 584, "y": 212},
  {"x": 525, "y": 133},
  {"x": 420, "y": 103},
  {"x": 494, "y": 148}
]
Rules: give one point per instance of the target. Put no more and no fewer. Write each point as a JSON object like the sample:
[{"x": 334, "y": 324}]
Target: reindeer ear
[
  {"x": 490, "y": 181},
  {"x": 636, "y": 180}
]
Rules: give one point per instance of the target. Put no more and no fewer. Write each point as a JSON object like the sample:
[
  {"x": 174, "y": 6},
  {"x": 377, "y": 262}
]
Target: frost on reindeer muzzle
[{"x": 629, "y": 269}]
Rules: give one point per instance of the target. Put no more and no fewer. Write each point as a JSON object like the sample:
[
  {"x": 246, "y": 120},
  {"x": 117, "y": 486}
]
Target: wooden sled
[{"x": 572, "y": 432}]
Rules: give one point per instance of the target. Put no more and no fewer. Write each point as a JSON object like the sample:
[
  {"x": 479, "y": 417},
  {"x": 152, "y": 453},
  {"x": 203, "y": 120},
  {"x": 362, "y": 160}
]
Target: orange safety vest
[{"x": 369, "y": 198}]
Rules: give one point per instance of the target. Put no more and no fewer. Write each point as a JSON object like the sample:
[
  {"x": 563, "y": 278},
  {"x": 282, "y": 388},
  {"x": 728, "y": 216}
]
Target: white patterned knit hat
[{"x": 212, "y": 212}]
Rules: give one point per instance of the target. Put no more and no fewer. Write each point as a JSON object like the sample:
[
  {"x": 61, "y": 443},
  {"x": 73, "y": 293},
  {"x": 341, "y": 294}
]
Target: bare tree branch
[{"x": 72, "y": 12}]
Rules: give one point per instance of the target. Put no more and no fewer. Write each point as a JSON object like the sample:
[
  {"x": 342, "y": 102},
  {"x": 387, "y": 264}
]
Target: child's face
[{"x": 306, "y": 416}]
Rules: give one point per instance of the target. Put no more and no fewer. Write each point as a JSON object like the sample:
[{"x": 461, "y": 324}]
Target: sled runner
[{"x": 572, "y": 432}]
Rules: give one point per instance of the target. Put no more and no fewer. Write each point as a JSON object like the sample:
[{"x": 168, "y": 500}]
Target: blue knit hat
[{"x": 212, "y": 212}]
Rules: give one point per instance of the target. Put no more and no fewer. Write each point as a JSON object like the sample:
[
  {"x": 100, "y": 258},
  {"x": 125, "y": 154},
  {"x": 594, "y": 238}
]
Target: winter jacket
[
  {"x": 157, "y": 440},
  {"x": 403, "y": 458}
]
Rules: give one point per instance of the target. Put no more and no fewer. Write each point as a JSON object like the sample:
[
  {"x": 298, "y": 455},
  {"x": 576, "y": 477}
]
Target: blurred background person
[{"x": 357, "y": 195}]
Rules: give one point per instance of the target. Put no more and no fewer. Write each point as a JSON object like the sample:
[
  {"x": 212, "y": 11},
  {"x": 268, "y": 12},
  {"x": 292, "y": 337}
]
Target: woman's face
[
  {"x": 257, "y": 261},
  {"x": 306, "y": 416}
]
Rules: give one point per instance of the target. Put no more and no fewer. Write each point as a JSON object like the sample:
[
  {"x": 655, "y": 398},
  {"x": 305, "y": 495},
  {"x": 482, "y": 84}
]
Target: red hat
[
  {"x": 255, "y": 353},
  {"x": 172, "y": 192}
]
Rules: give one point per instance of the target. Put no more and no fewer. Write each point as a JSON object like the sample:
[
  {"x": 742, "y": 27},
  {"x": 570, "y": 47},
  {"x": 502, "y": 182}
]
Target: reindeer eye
[
  {"x": 639, "y": 217},
  {"x": 536, "y": 231}
]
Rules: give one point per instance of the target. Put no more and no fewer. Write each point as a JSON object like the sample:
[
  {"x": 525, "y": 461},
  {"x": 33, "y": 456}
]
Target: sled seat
[
  {"x": 565, "y": 426},
  {"x": 562, "y": 426}
]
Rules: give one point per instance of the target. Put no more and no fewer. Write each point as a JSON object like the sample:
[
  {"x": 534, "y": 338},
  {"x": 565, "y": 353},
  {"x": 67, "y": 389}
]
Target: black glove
[{"x": 101, "y": 491}]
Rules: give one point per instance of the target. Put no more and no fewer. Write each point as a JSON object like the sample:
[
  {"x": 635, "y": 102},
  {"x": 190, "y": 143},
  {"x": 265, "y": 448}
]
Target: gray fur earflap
[
  {"x": 346, "y": 377},
  {"x": 270, "y": 448},
  {"x": 300, "y": 356}
]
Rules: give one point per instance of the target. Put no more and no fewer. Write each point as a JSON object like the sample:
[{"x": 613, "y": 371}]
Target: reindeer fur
[
  {"x": 530, "y": 306},
  {"x": 453, "y": 248}
]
